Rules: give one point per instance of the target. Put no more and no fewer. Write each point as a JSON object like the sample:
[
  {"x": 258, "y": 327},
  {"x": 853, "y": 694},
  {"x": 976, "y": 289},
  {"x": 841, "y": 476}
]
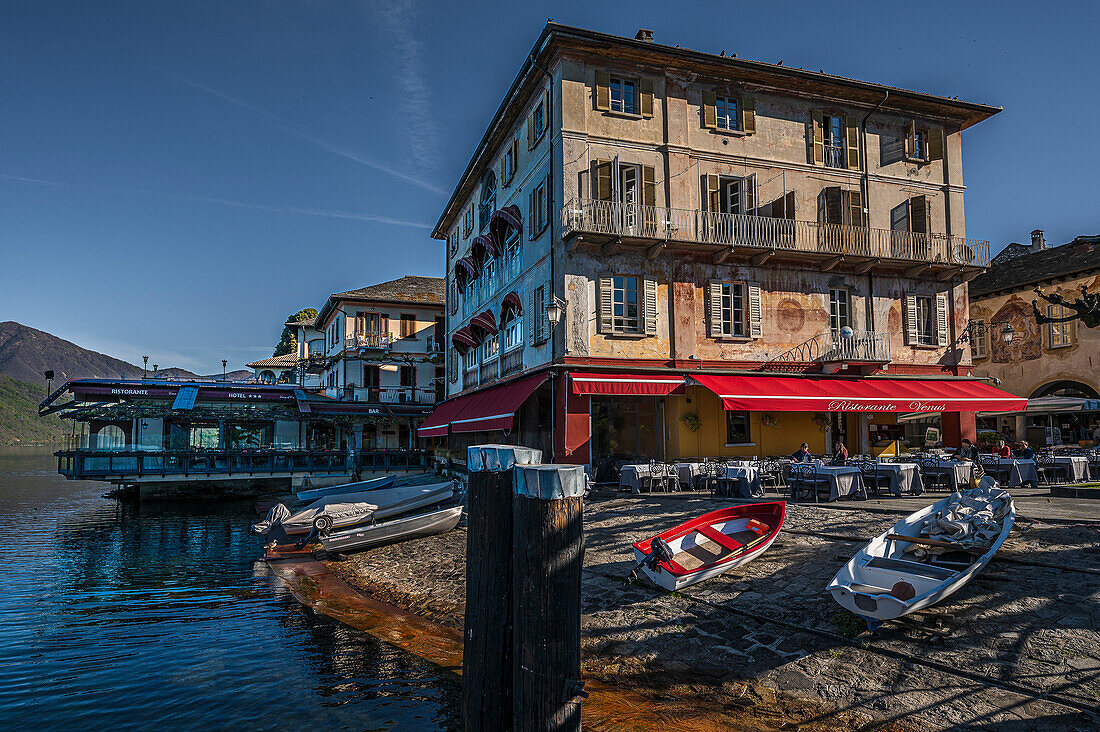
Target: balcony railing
[
  {"x": 469, "y": 378},
  {"x": 489, "y": 371},
  {"x": 511, "y": 362},
  {"x": 369, "y": 340},
  {"x": 859, "y": 347},
  {"x": 705, "y": 227},
  {"x": 383, "y": 394}
]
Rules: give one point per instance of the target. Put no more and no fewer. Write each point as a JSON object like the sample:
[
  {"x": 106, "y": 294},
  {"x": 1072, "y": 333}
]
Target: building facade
[
  {"x": 642, "y": 223},
  {"x": 1054, "y": 365},
  {"x": 380, "y": 345}
]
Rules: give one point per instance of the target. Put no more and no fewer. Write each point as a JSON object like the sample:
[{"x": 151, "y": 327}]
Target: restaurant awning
[
  {"x": 463, "y": 338},
  {"x": 1053, "y": 405},
  {"x": 485, "y": 321},
  {"x": 483, "y": 243},
  {"x": 494, "y": 408},
  {"x": 823, "y": 394},
  {"x": 439, "y": 421},
  {"x": 185, "y": 398},
  {"x": 641, "y": 384}
]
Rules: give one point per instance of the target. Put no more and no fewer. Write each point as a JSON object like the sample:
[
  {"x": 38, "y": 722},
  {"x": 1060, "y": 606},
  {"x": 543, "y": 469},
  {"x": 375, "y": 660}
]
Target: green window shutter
[
  {"x": 854, "y": 208},
  {"x": 547, "y": 98},
  {"x": 714, "y": 310},
  {"x": 941, "y": 318},
  {"x": 603, "y": 286},
  {"x": 817, "y": 138},
  {"x": 603, "y": 91},
  {"x": 546, "y": 201},
  {"x": 602, "y": 179},
  {"x": 910, "y": 134},
  {"x": 503, "y": 173},
  {"x": 710, "y": 110},
  {"x": 834, "y": 207},
  {"x": 755, "y": 311},
  {"x": 851, "y": 138},
  {"x": 788, "y": 206},
  {"x": 935, "y": 143},
  {"x": 531, "y": 214},
  {"x": 645, "y": 97},
  {"x": 911, "y": 319},
  {"x": 649, "y": 302},
  {"x": 920, "y": 217},
  {"x": 748, "y": 115},
  {"x": 649, "y": 186}
]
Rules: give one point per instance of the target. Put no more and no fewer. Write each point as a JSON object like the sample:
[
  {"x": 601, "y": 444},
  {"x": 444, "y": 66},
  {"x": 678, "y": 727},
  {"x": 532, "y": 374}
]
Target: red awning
[
  {"x": 511, "y": 214},
  {"x": 485, "y": 321},
  {"x": 494, "y": 408},
  {"x": 463, "y": 337},
  {"x": 438, "y": 422},
  {"x": 823, "y": 394},
  {"x": 511, "y": 300},
  {"x": 483, "y": 242},
  {"x": 641, "y": 384}
]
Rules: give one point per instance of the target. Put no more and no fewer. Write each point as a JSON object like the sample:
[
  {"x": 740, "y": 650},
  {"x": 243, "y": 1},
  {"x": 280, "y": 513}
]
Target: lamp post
[
  {"x": 155, "y": 367},
  {"x": 1007, "y": 333},
  {"x": 144, "y": 366},
  {"x": 223, "y": 369},
  {"x": 554, "y": 310},
  {"x": 49, "y": 380}
]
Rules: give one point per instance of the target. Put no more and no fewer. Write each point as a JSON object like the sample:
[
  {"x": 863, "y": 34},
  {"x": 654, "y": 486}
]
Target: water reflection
[{"x": 126, "y": 615}]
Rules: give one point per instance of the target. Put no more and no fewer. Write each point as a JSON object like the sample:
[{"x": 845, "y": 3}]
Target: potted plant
[{"x": 692, "y": 421}]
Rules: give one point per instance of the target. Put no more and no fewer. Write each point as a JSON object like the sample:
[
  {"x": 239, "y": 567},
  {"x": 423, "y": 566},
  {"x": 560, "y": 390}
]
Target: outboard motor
[{"x": 659, "y": 551}]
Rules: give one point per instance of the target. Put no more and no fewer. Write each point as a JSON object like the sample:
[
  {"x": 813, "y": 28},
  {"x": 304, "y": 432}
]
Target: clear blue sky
[{"x": 176, "y": 178}]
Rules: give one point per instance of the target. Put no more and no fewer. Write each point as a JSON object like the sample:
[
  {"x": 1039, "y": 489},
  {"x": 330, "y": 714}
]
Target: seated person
[
  {"x": 1001, "y": 450},
  {"x": 802, "y": 455},
  {"x": 1024, "y": 451},
  {"x": 967, "y": 451},
  {"x": 840, "y": 454}
]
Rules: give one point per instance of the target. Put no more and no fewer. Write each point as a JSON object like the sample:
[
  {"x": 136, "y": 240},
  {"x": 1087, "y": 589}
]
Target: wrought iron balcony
[
  {"x": 511, "y": 362},
  {"x": 368, "y": 340},
  {"x": 613, "y": 219},
  {"x": 861, "y": 347}
]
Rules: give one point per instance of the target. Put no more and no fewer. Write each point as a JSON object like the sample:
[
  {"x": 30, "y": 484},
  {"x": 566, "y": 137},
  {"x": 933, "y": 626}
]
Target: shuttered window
[
  {"x": 407, "y": 326},
  {"x": 923, "y": 144},
  {"x": 539, "y": 327},
  {"x": 978, "y": 335},
  {"x": 508, "y": 165},
  {"x": 839, "y": 206},
  {"x": 615, "y": 93},
  {"x": 624, "y": 95},
  {"x": 926, "y": 319},
  {"x": 538, "y": 211},
  {"x": 729, "y": 113},
  {"x": 726, "y": 310},
  {"x": 627, "y": 304},
  {"x": 538, "y": 121}
]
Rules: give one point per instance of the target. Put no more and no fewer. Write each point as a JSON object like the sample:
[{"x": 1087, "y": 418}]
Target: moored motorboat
[
  {"x": 926, "y": 556},
  {"x": 708, "y": 545},
  {"x": 399, "y": 529},
  {"x": 312, "y": 494},
  {"x": 348, "y": 509}
]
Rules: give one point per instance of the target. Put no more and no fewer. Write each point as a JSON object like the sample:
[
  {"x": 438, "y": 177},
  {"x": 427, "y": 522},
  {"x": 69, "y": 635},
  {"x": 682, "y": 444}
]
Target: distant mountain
[
  {"x": 19, "y": 420},
  {"x": 25, "y": 353}
]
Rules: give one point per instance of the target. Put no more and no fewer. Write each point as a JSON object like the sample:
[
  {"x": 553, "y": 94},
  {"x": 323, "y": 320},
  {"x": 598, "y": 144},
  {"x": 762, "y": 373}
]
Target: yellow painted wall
[{"x": 791, "y": 430}]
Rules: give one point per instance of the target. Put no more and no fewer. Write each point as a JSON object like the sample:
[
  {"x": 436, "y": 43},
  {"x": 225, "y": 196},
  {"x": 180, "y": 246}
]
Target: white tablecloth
[
  {"x": 747, "y": 476},
  {"x": 844, "y": 480},
  {"x": 1077, "y": 466},
  {"x": 904, "y": 477},
  {"x": 1020, "y": 471},
  {"x": 959, "y": 471}
]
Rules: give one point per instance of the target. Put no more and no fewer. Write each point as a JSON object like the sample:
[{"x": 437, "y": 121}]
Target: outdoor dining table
[
  {"x": 959, "y": 470},
  {"x": 631, "y": 476},
  {"x": 904, "y": 477},
  {"x": 1020, "y": 471},
  {"x": 687, "y": 472},
  {"x": 1077, "y": 466},
  {"x": 747, "y": 477},
  {"x": 844, "y": 480}
]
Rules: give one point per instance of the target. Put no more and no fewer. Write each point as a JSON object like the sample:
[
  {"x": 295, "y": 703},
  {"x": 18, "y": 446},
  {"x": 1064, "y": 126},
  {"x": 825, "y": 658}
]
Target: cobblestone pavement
[{"x": 1016, "y": 648}]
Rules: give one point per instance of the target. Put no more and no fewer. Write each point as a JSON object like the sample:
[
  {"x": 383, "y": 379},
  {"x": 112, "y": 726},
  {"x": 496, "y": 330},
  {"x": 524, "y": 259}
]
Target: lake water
[{"x": 125, "y": 616}]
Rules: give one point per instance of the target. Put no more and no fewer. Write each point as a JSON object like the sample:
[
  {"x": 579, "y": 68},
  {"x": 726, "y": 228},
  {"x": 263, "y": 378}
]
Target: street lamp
[
  {"x": 49, "y": 380},
  {"x": 144, "y": 366},
  {"x": 1007, "y": 333},
  {"x": 223, "y": 369},
  {"x": 155, "y": 367},
  {"x": 554, "y": 310}
]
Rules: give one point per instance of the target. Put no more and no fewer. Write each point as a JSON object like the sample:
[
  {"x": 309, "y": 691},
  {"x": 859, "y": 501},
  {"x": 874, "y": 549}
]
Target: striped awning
[
  {"x": 508, "y": 214},
  {"x": 463, "y": 338},
  {"x": 512, "y": 301},
  {"x": 485, "y": 321},
  {"x": 484, "y": 243},
  {"x": 637, "y": 384}
]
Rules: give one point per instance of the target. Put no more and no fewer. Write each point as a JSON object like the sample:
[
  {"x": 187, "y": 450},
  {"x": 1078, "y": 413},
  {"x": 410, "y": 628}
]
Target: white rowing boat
[
  {"x": 344, "y": 510},
  {"x": 312, "y": 494},
  {"x": 402, "y": 528},
  {"x": 926, "y": 556}
]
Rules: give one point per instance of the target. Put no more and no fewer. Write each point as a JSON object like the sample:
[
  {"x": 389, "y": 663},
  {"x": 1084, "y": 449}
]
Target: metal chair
[
  {"x": 771, "y": 475},
  {"x": 871, "y": 477},
  {"x": 663, "y": 476},
  {"x": 997, "y": 470},
  {"x": 804, "y": 481},
  {"x": 1048, "y": 471},
  {"x": 934, "y": 476},
  {"x": 710, "y": 474}
]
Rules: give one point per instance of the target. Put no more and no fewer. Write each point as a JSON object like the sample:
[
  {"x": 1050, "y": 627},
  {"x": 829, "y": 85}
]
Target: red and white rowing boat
[{"x": 710, "y": 544}]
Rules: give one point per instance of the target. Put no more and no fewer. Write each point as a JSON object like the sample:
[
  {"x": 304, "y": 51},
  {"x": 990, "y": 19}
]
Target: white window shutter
[
  {"x": 756, "y": 315},
  {"x": 603, "y": 285},
  {"x": 650, "y": 303},
  {"x": 714, "y": 310},
  {"x": 748, "y": 198},
  {"x": 911, "y": 319},
  {"x": 942, "y": 305}
]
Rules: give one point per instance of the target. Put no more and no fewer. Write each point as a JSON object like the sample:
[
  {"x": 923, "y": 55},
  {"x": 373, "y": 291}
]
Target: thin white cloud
[
  {"x": 290, "y": 128},
  {"x": 422, "y": 133},
  {"x": 34, "y": 181}
]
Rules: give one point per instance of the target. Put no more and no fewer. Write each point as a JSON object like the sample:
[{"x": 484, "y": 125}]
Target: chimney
[
  {"x": 644, "y": 34},
  {"x": 1037, "y": 241}
]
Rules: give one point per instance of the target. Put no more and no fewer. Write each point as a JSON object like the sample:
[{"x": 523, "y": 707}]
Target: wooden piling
[
  {"x": 548, "y": 551},
  {"x": 487, "y": 640}
]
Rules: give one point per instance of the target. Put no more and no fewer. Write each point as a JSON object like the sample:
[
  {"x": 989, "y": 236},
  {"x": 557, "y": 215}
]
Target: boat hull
[
  {"x": 863, "y": 589},
  {"x": 686, "y": 540},
  {"x": 364, "y": 485},
  {"x": 391, "y": 532}
]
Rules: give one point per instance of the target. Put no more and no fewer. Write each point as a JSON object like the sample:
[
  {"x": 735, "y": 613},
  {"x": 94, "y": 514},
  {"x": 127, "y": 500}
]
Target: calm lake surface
[{"x": 128, "y": 616}]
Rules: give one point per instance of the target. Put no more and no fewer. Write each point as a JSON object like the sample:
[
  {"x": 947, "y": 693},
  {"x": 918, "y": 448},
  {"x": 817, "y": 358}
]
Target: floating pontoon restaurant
[{"x": 237, "y": 439}]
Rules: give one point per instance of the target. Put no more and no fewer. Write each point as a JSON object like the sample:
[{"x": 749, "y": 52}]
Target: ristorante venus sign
[{"x": 844, "y": 405}]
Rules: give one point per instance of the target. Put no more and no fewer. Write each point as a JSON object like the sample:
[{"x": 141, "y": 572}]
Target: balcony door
[
  {"x": 372, "y": 382},
  {"x": 370, "y": 328},
  {"x": 628, "y": 197}
]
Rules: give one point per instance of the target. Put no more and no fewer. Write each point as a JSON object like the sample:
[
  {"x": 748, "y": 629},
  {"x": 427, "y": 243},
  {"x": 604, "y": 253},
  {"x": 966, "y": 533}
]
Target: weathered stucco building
[
  {"x": 659, "y": 252},
  {"x": 1040, "y": 361}
]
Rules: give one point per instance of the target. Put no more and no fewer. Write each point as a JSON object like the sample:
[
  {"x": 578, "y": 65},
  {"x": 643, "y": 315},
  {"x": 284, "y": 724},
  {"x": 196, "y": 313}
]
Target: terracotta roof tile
[{"x": 1019, "y": 271}]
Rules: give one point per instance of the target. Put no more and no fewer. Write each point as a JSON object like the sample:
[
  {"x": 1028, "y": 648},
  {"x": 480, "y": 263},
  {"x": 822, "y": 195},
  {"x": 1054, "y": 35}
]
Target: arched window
[
  {"x": 110, "y": 437},
  {"x": 267, "y": 377},
  {"x": 1073, "y": 389},
  {"x": 511, "y": 326},
  {"x": 488, "y": 200}
]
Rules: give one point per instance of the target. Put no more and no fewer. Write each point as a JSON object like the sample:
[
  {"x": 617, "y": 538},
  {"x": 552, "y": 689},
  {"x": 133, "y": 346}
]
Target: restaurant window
[
  {"x": 624, "y": 96},
  {"x": 625, "y": 427},
  {"x": 737, "y": 428},
  {"x": 204, "y": 437},
  {"x": 408, "y": 325},
  {"x": 727, "y": 113},
  {"x": 840, "y": 308},
  {"x": 1059, "y": 334},
  {"x": 111, "y": 437},
  {"x": 727, "y": 309}
]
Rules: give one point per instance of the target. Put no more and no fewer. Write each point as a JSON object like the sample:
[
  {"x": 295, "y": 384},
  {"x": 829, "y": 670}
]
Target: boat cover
[
  {"x": 973, "y": 519},
  {"x": 349, "y": 509}
]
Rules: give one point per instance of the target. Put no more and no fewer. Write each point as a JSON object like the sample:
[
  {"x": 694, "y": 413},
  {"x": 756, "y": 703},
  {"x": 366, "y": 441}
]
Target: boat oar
[{"x": 932, "y": 542}]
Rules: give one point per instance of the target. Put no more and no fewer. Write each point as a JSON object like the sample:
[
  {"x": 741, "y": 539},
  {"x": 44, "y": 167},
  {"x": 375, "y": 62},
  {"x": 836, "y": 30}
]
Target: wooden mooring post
[
  {"x": 487, "y": 642},
  {"x": 548, "y": 551}
]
